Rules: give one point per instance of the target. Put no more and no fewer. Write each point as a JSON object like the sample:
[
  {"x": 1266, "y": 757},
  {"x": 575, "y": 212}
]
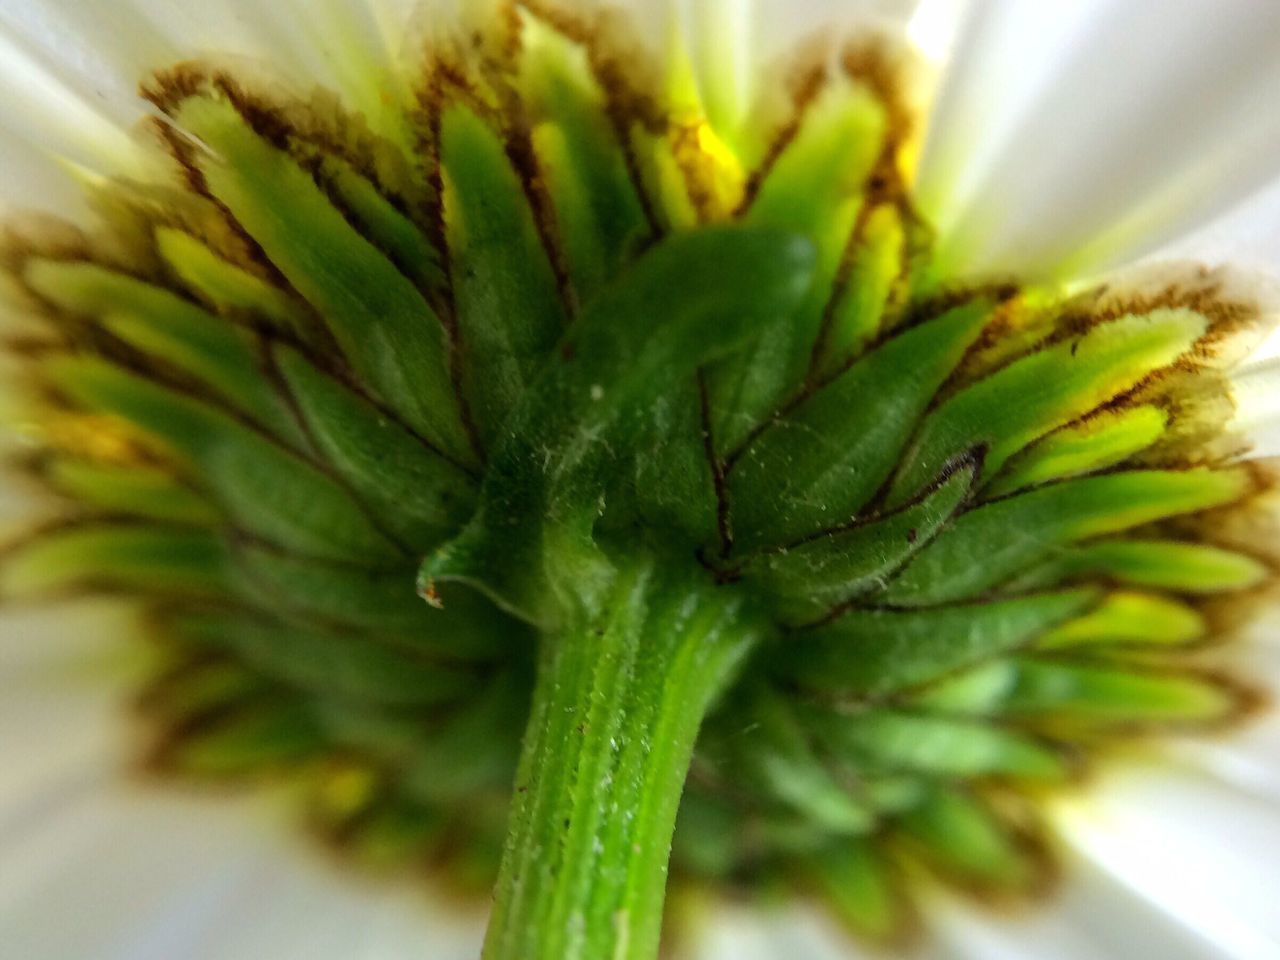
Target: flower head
[{"x": 531, "y": 408}]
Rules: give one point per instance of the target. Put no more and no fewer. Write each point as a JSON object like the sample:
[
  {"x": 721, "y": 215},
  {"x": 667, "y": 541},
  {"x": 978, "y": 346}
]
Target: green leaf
[
  {"x": 383, "y": 324},
  {"x": 817, "y": 465},
  {"x": 978, "y": 553},
  {"x": 872, "y": 653},
  {"x": 1008, "y": 409}
]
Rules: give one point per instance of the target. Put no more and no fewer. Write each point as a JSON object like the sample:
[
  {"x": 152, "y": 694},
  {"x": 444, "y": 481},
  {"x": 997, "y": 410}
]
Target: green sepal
[
  {"x": 251, "y": 741},
  {"x": 873, "y": 653},
  {"x": 1073, "y": 695},
  {"x": 507, "y": 305},
  {"x": 475, "y": 750},
  {"x": 598, "y": 211},
  {"x": 942, "y": 747},
  {"x": 263, "y": 488},
  {"x": 134, "y": 490},
  {"x": 1196, "y": 568},
  {"x": 385, "y": 327},
  {"x": 1094, "y": 444},
  {"x": 813, "y": 189},
  {"x": 816, "y": 575},
  {"x": 690, "y": 299},
  {"x": 388, "y": 228},
  {"x": 977, "y": 553},
  {"x": 775, "y": 755},
  {"x": 815, "y": 466},
  {"x": 1129, "y": 618},
  {"x": 166, "y": 327},
  {"x": 360, "y": 598},
  {"x": 228, "y": 287},
  {"x": 859, "y": 887},
  {"x": 961, "y": 836},
  {"x": 150, "y": 559},
  {"x": 413, "y": 489},
  {"x": 328, "y": 664},
  {"x": 1008, "y": 409}
]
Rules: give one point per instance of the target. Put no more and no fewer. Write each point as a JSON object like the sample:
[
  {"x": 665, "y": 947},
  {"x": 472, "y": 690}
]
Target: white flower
[{"x": 1068, "y": 139}]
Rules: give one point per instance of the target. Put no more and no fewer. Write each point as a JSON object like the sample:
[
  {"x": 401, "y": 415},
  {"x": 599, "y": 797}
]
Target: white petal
[
  {"x": 1200, "y": 850},
  {"x": 1093, "y": 916},
  {"x": 1072, "y": 136},
  {"x": 1247, "y": 235},
  {"x": 101, "y": 865}
]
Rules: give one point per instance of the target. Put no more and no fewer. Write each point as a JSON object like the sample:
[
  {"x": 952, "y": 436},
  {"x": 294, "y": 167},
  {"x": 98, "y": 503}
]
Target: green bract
[{"x": 555, "y": 416}]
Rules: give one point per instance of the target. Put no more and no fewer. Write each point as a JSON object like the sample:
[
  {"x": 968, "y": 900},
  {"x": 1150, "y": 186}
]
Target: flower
[{"x": 990, "y": 219}]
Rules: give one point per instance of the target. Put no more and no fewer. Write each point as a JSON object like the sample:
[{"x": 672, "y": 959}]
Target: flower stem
[{"x": 618, "y": 703}]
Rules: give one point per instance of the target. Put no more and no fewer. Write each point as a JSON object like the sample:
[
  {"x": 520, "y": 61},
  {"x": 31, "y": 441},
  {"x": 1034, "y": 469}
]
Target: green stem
[{"x": 616, "y": 711}]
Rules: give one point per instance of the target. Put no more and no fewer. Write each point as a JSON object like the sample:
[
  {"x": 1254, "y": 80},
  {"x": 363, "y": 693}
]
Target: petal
[
  {"x": 1198, "y": 849},
  {"x": 1071, "y": 137},
  {"x": 99, "y": 864},
  {"x": 1093, "y": 916}
]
